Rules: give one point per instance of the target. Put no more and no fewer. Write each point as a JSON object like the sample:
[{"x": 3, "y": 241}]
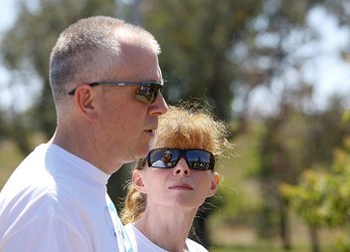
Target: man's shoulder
[
  {"x": 28, "y": 199},
  {"x": 32, "y": 188},
  {"x": 30, "y": 180}
]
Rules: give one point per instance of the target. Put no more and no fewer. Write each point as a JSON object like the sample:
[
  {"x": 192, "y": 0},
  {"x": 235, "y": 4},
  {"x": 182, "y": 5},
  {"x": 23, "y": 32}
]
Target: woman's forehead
[{"x": 183, "y": 144}]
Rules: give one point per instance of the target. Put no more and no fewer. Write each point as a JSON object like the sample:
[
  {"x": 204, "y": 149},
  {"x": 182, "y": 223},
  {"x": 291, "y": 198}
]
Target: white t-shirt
[
  {"x": 141, "y": 243},
  {"x": 55, "y": 201}
]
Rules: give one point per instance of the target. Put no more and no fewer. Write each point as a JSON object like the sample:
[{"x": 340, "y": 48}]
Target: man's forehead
[
  {"x": 132, "y": 50},
  {"x": 138, "y": 65}
]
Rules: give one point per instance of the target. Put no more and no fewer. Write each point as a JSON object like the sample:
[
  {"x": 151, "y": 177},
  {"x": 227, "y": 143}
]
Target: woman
[{"x": 173, "y": 181}]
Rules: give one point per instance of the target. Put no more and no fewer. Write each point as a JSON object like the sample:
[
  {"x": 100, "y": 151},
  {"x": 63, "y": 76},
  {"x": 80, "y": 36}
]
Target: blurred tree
[
  {"x": 197, "y": 38},
  {"x": 290, "y": 145},
  {"x": 280, "y": 161},
  {"x": 225, "y": 50},
  {"x": 327, "y": 132},
  {"x": 322, "y": 198}
]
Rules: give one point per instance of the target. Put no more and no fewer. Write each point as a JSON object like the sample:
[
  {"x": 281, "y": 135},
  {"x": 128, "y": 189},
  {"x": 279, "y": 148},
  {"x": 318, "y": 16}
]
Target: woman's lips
[{"x": 181, "y": 186}]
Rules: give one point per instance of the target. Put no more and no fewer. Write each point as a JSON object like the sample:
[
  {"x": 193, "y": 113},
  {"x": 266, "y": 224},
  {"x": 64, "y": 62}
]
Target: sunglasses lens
[
  {"x": 148, "y": 93},
  {"x": 168, "y": 158},
  {"x": 163, "y": 158},
  {"x": 200, "y": 160}
]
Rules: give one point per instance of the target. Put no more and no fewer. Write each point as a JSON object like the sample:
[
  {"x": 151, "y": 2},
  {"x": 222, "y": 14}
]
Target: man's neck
[{"x": 85, "y": 147}]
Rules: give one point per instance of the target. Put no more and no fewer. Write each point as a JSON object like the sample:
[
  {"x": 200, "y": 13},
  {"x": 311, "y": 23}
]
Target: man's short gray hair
[{"x": 88, "y": 49}]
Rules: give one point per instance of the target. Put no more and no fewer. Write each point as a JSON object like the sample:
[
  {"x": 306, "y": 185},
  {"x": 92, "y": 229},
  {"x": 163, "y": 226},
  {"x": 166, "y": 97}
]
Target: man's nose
[{"x": 159, "y": 107}]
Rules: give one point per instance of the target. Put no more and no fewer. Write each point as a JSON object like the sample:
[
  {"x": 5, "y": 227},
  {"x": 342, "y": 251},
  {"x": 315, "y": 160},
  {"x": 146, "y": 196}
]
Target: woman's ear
[
  {"x": 214, "y": 185},
  {"x": 137, "y": 181}
]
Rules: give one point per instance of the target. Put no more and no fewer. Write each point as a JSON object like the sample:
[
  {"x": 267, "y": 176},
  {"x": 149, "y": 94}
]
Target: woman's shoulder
[
  {"x": 139, "y": 241},
  {"x": 193, "y": 246},
  {"x": 128, "y": 226}
]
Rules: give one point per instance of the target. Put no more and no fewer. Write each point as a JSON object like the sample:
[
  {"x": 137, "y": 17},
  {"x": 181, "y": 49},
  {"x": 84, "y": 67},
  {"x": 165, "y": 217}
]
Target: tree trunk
[
  {"x": 314, "y": 238},
  {"x": 284, "y": 225}
]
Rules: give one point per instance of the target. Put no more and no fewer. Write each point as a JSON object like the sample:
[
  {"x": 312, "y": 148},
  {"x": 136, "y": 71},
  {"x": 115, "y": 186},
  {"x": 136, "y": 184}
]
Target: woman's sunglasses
[
  {"x": 196, "y": 159},
  {"x": 147, "y": 92}
]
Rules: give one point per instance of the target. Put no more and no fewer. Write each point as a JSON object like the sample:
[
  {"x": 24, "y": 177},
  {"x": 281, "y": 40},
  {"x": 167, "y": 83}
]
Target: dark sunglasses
[
  {"x": 196, "y": 159},
  {"x": 147, "y": 92}
]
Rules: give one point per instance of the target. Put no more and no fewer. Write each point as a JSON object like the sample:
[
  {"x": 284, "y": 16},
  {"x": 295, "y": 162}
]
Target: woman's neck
[{"x": 167, "y": 227}]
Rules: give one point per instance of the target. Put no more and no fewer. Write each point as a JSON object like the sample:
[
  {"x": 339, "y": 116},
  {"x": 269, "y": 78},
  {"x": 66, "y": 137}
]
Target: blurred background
[{"x": 277, "y": 72}]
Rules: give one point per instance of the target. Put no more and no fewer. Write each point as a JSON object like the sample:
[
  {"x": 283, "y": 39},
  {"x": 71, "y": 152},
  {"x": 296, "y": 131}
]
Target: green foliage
[
  {"x": 343, "y": 244},
  {"x": 323, "y": 198},
  {"x": 309, "y": 196},
  {"x": 292, "y": 142}
]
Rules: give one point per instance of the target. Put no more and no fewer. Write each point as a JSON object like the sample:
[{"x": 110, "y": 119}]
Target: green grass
[{"x": 10, "y": 158}]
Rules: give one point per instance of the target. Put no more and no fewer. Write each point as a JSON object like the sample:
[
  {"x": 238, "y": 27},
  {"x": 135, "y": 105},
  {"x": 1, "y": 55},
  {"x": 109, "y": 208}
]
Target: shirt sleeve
[{"x": 41, "y": 234}]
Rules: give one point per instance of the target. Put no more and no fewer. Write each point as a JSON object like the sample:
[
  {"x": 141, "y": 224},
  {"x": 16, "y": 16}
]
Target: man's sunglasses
[
  {"x": 147, "y": 92},
  {"x": 196, "y": 159}
]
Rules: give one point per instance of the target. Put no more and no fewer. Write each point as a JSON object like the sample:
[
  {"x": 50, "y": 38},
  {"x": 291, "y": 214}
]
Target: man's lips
[{"x": 181, "y": 186}]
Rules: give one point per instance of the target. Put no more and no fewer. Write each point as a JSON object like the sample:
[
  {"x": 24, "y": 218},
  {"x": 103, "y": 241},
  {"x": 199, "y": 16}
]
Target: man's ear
[
  {"x": 214, "y": 185},
  {"x": 137, "y": 181},
  {"x": 85, "y": 99}
]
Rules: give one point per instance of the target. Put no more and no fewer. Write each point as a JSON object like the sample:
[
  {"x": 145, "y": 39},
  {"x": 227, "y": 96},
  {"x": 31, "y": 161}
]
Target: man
[
  {"x": 106, "y": 84},
  {"x": 165, "y": 161}
]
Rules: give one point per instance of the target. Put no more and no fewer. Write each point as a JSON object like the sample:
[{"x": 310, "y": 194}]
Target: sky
[
  {"x": 8, "y": 16},
  {"x": 332, "y": 73},
  {"x": 327, "y": 70}
]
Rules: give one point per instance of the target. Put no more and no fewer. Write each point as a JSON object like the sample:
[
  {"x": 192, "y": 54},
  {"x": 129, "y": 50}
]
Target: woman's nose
[{"x": 182, "y": 168}]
